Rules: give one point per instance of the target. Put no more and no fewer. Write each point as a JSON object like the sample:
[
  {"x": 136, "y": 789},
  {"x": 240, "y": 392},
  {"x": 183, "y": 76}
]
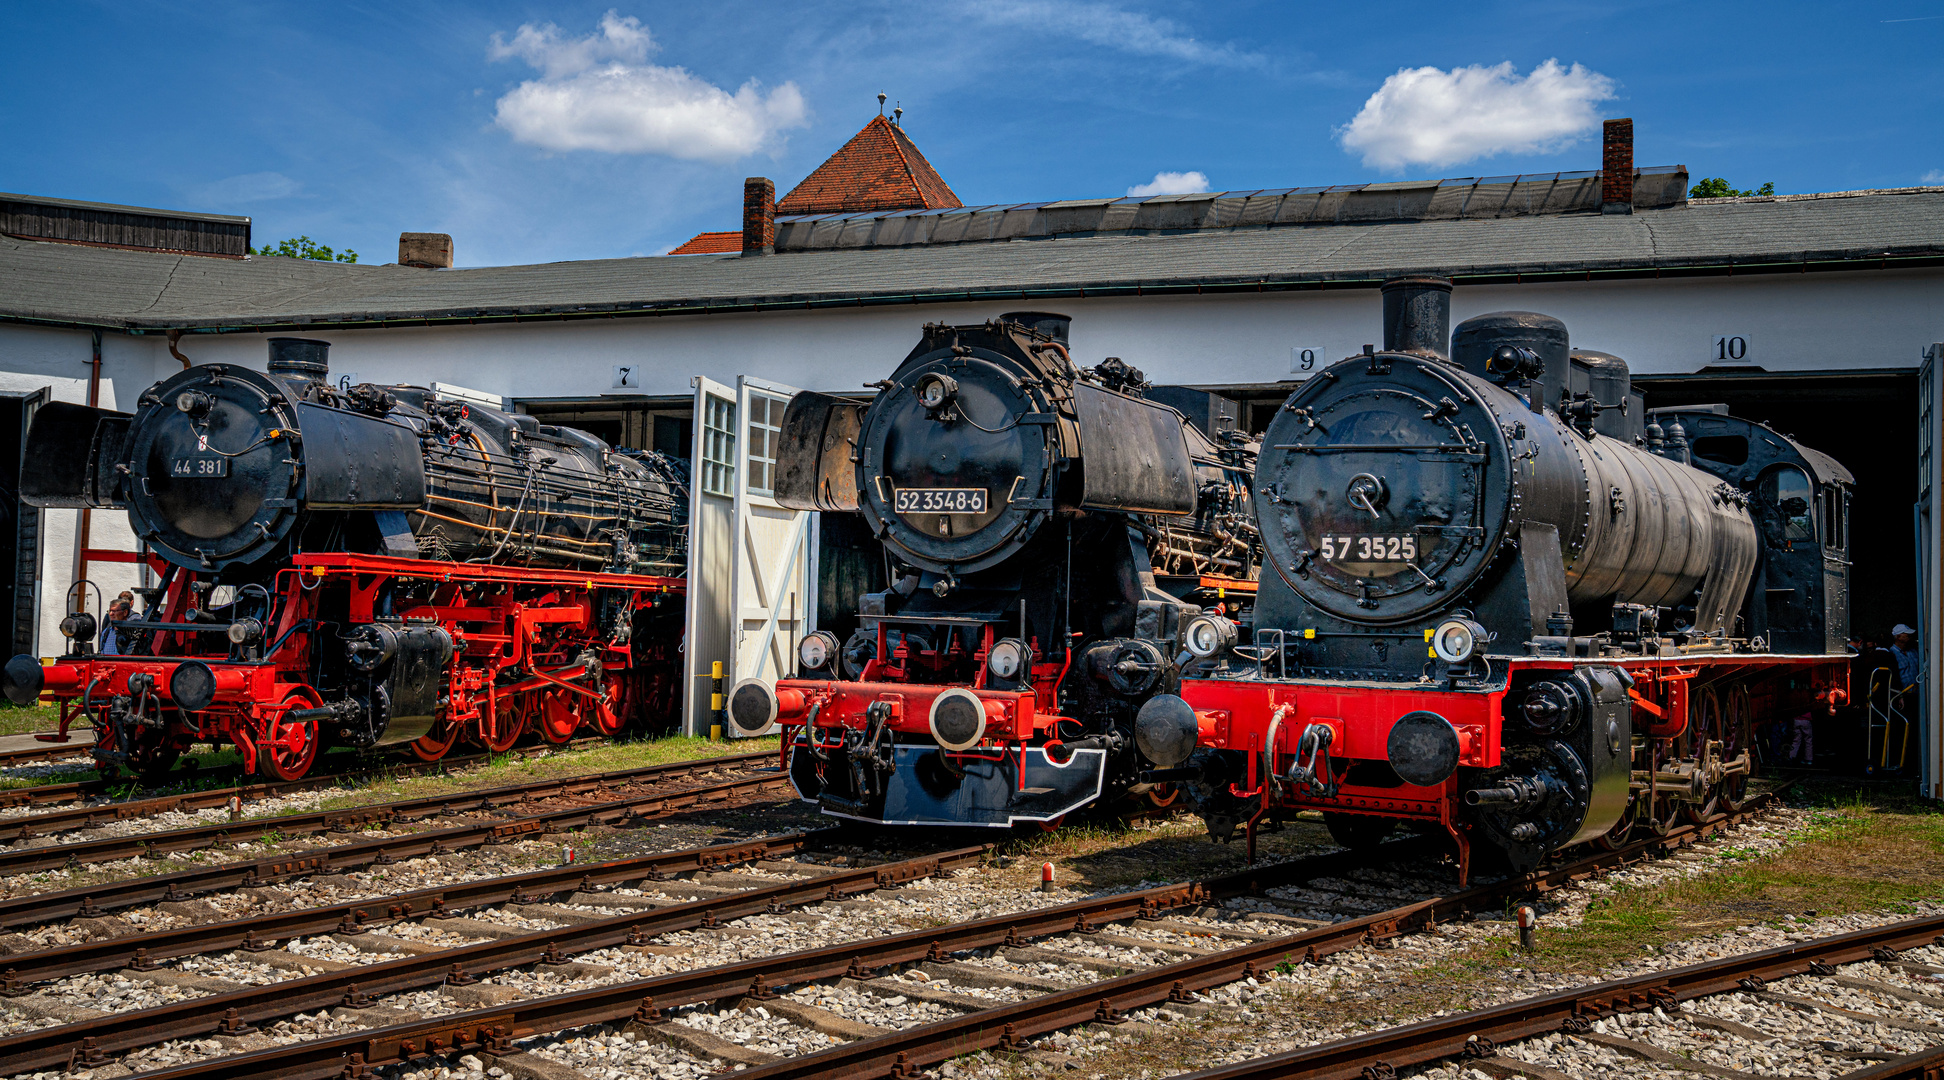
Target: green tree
[
  {"x": 1714, "y": 187},
  {"x": 303, "y": 247}
]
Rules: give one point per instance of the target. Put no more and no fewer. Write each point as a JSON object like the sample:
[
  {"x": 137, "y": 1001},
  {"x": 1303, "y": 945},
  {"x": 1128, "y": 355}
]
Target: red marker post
[
  {"x": 1046, "y": 877},
  {"x": 1527, "y": 920}
]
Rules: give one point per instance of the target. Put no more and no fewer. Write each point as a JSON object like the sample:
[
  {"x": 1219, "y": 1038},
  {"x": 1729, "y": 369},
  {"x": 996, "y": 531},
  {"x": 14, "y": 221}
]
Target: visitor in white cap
[{"x": 1904, "y": 649}]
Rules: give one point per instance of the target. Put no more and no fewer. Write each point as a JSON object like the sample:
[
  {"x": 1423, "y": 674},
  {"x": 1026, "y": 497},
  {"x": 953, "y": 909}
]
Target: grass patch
[
  {"x": 507, "y": 769},
  {"x": 26, "y": 719},
  {"x": 1859, "y": 855}
]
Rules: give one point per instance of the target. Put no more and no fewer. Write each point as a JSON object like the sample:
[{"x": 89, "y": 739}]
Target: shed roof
[{"x": 68, "y": 285}]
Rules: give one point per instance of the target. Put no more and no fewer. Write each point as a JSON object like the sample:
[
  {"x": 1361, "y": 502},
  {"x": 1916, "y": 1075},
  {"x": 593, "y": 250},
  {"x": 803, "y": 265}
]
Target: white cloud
[
  {"x": 623, "y": 40},
  {"x": 1935, "y": 176},
  {"x": 1170, "y": 183},
  {"x": 599, "y": 93},
  {"x": 1425, "y": 116},
  {"x": 1109, "y": 26},
  {"x": 256, "y": 187}
]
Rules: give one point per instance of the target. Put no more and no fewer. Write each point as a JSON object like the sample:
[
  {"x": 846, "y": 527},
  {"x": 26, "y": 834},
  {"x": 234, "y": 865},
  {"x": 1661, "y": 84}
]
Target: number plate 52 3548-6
[{"x": 939, "y": 500}]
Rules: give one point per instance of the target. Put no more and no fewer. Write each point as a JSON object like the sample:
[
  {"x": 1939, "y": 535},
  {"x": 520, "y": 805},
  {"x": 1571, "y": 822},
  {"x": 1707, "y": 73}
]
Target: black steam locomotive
[
  {"x": 369, "y": 566},
  {"x": 1023, "y": 505},
  {"x": 1508, "y": 603}
]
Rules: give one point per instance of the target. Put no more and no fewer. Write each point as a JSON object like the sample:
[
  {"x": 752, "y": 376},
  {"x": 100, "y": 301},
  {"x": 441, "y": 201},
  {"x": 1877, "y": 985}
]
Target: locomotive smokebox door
[{"x": 814, "y": 466}]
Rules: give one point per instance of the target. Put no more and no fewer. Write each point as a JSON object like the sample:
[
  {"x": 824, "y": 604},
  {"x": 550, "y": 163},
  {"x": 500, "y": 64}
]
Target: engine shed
[{"x": 1816, "y": 314}]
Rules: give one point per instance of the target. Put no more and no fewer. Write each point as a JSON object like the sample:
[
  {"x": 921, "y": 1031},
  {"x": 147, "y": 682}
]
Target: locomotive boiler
[
  {"x": 1507, "y": 603},
  {"x": 364, "y": 566},
  {"x": 1046, "y": 530}
]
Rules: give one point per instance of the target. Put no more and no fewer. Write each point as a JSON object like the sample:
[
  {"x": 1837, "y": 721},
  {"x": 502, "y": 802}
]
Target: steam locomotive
[
  {"x": 372, "y": 566},
  {"x": 1047, "y": 530},
  {"x": 1509, "y": 604}
]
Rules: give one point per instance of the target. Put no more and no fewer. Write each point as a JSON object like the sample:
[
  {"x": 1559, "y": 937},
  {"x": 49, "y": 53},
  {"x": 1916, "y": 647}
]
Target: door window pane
[
  {"x": 718, "y": 446},
  {"x": 765, "y": 426}
]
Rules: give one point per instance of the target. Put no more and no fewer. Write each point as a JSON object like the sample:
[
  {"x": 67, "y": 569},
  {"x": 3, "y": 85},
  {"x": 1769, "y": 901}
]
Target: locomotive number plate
[
  {"x": 200, "y": 466},
  {"x": 939, "y": 500},
  {"x": 1370, "y": 548}
]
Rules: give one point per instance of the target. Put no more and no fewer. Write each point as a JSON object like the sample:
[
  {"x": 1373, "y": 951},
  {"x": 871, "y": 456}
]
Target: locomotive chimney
[
  {"x": 1417, "y": 316},
  {"x": 1053, "y": 325},
  {"x": 300, "y": 358}
]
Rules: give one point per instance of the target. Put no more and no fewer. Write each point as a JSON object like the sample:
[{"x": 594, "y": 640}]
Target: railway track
[
  {"x": 589, "y": 803},
  {"x": 48, "y": 822},
  {"x": 642, "y": 1001},
  {"x": 1779, "y": 978}
]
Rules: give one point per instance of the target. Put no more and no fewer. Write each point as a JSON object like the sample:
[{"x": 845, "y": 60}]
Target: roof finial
[
  {"x": 897, "y": 114},
  {"x": 880, "y": 103}
]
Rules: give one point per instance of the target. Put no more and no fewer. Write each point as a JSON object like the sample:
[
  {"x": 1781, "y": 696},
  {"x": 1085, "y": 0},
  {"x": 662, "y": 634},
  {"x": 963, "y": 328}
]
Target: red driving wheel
[
  {"x": 508, "y": 724},
  {"x": 289, "y": 748},
  {"x": 558, "y": 719},
  {"x": 610, "y": 716},
  {"x": 433, "y": 745}
]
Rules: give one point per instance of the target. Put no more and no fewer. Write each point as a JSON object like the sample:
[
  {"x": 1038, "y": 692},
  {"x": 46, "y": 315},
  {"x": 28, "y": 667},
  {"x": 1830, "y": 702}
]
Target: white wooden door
[
  {"x": 708, "y": 638},
  {"x": 773, "y": 591}
]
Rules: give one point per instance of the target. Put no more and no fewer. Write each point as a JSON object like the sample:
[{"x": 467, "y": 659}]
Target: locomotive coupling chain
[{"x": 1313, "y": 750}]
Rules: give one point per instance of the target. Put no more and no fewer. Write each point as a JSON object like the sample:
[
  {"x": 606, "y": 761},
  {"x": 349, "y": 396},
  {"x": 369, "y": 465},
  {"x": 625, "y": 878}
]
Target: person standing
[{"x": 1910, "y": 664}]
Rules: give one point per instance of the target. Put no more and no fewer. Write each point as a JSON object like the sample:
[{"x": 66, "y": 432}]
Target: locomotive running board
[{"x": 990, "y": 792}]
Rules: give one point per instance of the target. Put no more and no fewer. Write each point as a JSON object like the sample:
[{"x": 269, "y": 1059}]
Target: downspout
[
  {"x": 94, "y": 402},
  {"x": 175, "y": 338}
]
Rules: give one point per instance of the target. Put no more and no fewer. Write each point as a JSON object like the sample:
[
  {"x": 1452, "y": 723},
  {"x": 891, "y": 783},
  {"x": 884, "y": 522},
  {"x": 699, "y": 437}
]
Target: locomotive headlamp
[
  {"x": 194, "y": 403},
  {"x": 1455, "y": 640},
  {"x": 79, "y": 626},
  {"x": 245, "y": 631},
  {"x": 816, "y": 651},
  {"x": 1208, "y": 635},
  {"x": 936, "y": 391},
  {"x": 192, "y": 685},
  {"x": 1008, "y": 658}
]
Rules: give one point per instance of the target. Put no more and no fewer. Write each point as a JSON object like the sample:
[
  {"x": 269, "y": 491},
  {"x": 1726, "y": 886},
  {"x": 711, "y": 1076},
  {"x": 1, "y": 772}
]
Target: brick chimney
[
  {"x": 1617, "y": 168},
  {"x": 759, "y": 216},
  {"x": 426, "y": 250}
]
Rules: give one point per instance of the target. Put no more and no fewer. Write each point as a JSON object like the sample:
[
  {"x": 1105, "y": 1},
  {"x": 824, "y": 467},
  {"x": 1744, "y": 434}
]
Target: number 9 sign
[{"x": 1305, "y": 357}]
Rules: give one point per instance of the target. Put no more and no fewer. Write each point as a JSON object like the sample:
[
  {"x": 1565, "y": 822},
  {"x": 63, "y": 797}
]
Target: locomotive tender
[
  {"x": 1507, "y": 603},
  {"x": 377, "y": 565},
  {"x": 1046, "y": 530}
]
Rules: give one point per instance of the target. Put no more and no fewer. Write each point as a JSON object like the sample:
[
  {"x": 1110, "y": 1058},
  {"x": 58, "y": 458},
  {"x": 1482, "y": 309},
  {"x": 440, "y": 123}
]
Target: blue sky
[{"x": 543, "y": 131}]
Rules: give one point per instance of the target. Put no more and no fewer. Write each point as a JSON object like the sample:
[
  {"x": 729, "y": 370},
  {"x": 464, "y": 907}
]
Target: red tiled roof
[
  {"x": 711, "y": 243},
  {"x": 879, "y": 169}
]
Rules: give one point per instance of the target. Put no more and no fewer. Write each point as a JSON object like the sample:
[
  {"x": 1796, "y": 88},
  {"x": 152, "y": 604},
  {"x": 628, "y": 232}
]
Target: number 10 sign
[{"x": 1729, "y": 349}]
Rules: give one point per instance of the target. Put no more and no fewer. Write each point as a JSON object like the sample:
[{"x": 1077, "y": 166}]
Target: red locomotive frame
[
  {"x": 1692, "y": 722},
  {"x": 523, "y": 640}
]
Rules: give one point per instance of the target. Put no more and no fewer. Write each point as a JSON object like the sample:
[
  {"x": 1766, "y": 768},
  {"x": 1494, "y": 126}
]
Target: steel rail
[
  {"x": 115, "y": 848},
  {"x": 52, "y": 1047},
  {"x": 1008, "y": 1026},
  {"x": 375, "y": 765},
  {"x": 37, "y": 908},
  {"x": 1922, "y": 1065},
  {"x": 1572, "y": 1011},
  {"x": 352, "y": 1054},
  {"x": 10, "y": 758},
  {"x": 329, "y": 1056},
  {"x": 84, "y": 817},
  {"x": 261, "y": 931}
]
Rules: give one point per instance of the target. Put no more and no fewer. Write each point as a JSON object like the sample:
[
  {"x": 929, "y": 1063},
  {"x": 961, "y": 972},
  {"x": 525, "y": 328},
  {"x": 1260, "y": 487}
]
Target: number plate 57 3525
[{"x": 1369, "y": 547}]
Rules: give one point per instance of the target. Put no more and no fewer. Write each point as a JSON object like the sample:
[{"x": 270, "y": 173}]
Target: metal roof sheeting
[{"x": 69, "y": 285}]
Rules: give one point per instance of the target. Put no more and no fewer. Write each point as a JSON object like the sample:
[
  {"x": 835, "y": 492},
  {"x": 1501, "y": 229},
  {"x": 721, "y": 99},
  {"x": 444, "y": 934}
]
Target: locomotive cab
[{"x": 1023, "y": 505}]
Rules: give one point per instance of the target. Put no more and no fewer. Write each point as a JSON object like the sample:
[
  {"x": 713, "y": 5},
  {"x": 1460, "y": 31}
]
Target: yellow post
[{"x": 715, "y": 701}]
